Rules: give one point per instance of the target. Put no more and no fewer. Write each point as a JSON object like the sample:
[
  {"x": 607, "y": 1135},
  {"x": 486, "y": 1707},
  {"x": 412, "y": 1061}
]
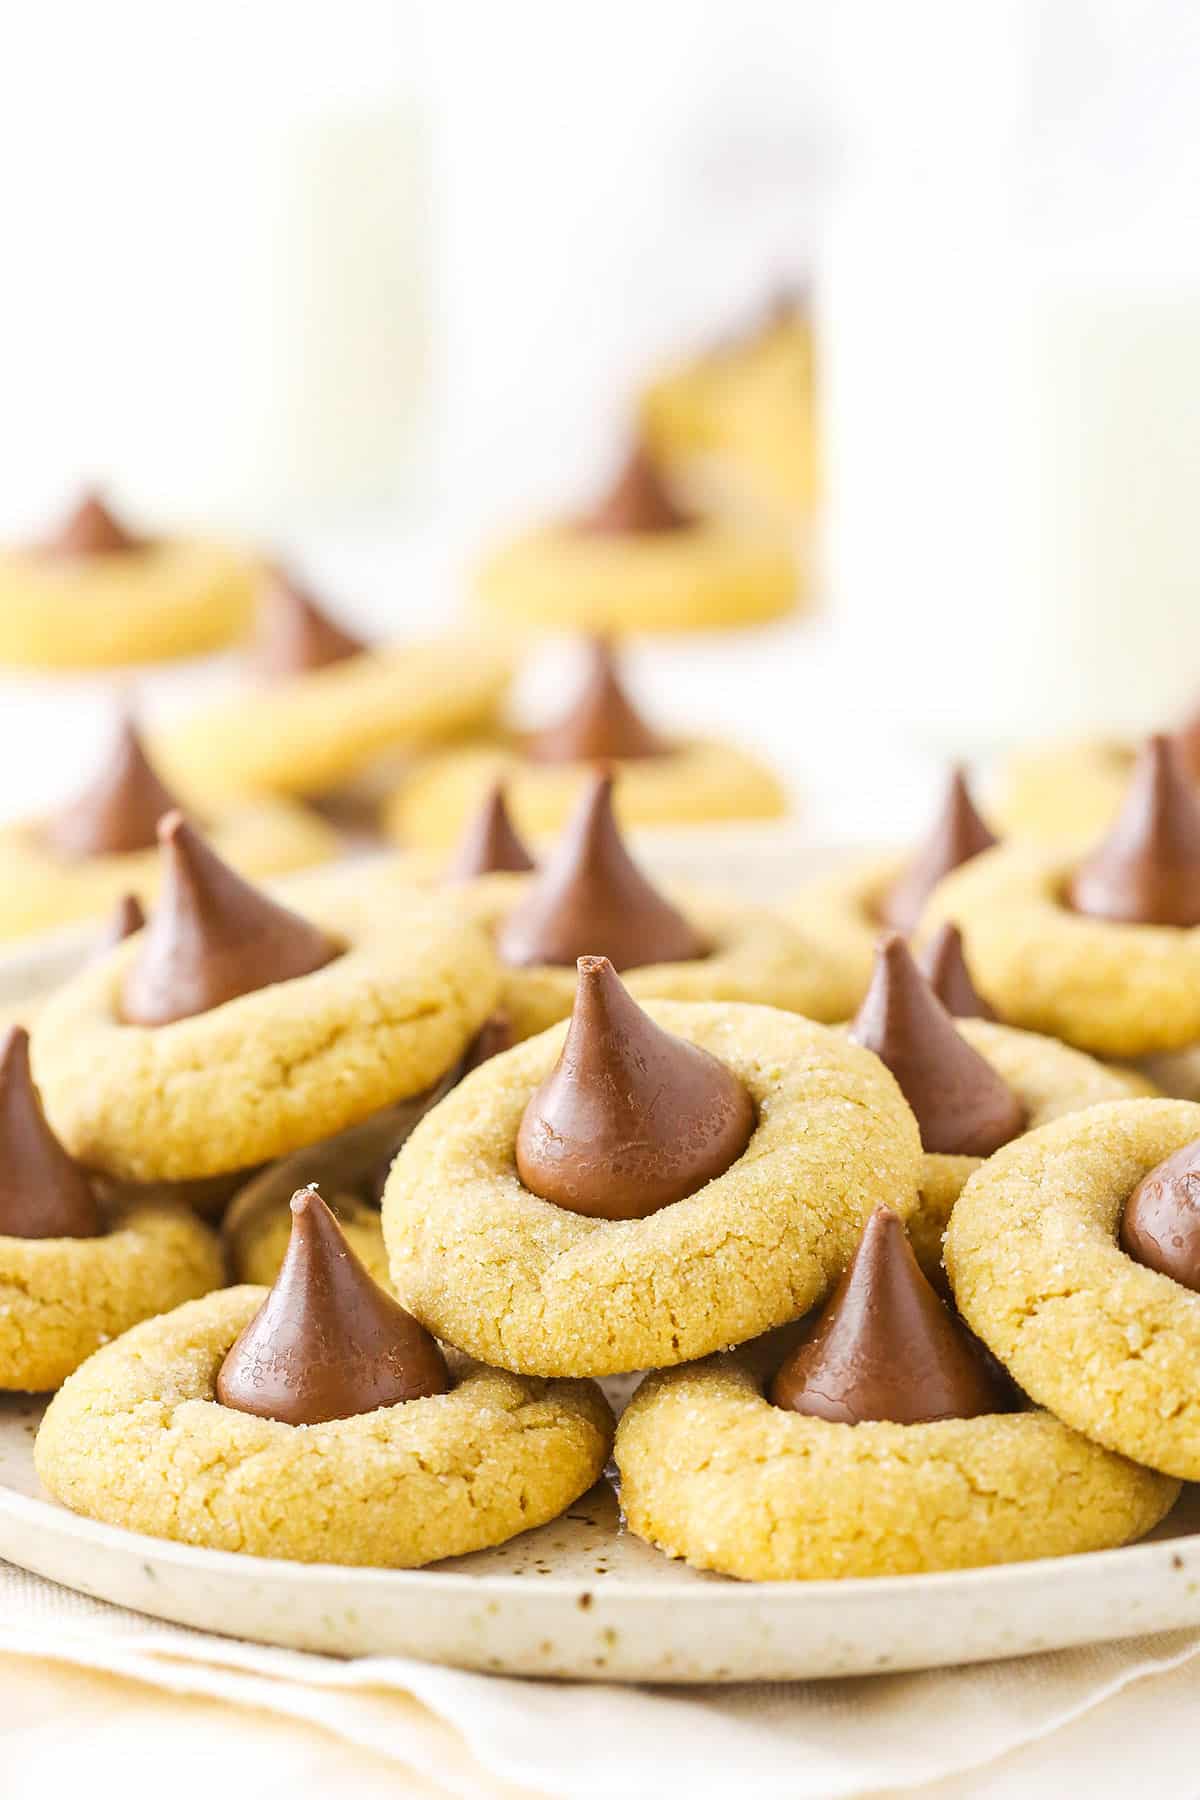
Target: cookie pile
[{"x": 914, "y": 1267}]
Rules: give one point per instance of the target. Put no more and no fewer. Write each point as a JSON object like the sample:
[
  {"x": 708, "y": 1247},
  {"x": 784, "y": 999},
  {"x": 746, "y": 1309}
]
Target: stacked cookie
[{"x": 916, "y": 1283}]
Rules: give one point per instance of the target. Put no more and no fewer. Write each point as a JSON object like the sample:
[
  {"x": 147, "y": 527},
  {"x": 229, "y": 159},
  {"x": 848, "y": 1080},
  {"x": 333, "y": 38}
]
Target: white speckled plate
[{"x": 580, "y": 1597}]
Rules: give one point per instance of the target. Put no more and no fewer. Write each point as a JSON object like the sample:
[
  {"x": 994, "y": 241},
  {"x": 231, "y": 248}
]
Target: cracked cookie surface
[
  {"x": 757, "y": 958},
  {"x": 1114, "y": 989},
  {"x": 526, "y": 1285},
  {"x": 62, "y": 1298},
  {"x": 276, "y": 1069},
  {"x": 1033, "y": 1258},
  {"x": 712, "y": 1472},
  {"x": 136, "y": 1438}
]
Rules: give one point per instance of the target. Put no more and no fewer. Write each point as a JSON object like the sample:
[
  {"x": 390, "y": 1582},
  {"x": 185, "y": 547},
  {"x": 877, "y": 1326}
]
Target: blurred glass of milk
[
  {"x": 266, "y": 228},
  {"x": 1011, "y": 320}
]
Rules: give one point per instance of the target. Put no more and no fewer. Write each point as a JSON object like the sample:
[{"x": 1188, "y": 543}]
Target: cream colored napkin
[{"x": 1124, "y": 1715}]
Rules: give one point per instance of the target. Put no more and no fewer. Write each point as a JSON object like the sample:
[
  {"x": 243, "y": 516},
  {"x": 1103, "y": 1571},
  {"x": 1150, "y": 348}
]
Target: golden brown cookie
[
  {"x": 712, "y": 1472},
  {"x": 1116, "y": 989},
  {"x": 61, "y": 1298},
  {"x": 839, "y": 910},
  {"x": 756, "y": 957},
  {"x": 1049, "y": 1079},
  {"x": 1033, "y": 1258},
  {"x": 519, "y": 1281},
  {"x": 743, "y": 412},
  {"x": 143, "y": 604},
  {"x": 703, "y": 577},
  {"x": 137, "y": 1439},
  {"x": 40, "y": 889},
  {"x": 315, "y": 730},
  {"x": 271, "y": 1070},
  {"x": 696, "y": 782},
  {"x": 349, "y": 1168},
  {"x": 1062, "y": 793}
]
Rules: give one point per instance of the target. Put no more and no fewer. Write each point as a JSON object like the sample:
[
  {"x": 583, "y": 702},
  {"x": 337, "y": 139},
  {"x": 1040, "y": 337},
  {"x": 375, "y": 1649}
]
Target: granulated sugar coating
[{"x": 523, "y": 1284}]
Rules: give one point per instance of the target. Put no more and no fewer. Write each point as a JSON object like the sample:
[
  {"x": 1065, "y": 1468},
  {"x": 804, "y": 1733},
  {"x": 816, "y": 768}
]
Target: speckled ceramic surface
[{"x": 580, "y": 1597}]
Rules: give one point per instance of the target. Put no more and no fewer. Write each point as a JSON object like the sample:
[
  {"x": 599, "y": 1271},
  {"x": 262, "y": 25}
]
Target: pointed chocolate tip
[
  {"x": 212, "y": 936},
  {"x": 592, "y": 899},
  {"x": 327, "y": 1342},
  {"x": 944, "y": 965},
  {"x": 490, "y": 845},
  {"x": 294, "y": 633},
  {"x": 962, "y": 1106},
  {"x": 43, "y": 1191},
  {"x": 117, "y": 814},
  {"x": 630, "y": 1119},
  {"x": 638, "y": 501},
  {"x": 958, "y": 834},
  {"x": 1146, "y": 871},
  {"x": 1160, "y": 1224},
  {"x": 885, "y": 1347},
  {"x": 602, "y": 724},
  {"x": 90, "y": 529}
]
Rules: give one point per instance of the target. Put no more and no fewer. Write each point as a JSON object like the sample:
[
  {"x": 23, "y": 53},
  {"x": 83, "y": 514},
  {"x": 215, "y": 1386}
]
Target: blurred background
[{"x": 381, "y": 283}]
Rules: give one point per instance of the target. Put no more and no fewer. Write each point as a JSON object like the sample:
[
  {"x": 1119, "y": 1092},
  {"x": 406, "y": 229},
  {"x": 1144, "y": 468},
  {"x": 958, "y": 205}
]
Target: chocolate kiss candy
[
  {"x": 962, "y": 1106},
  {"x": 958, "y": 834},
  {"x": 327, "y": 1342},
  {"x": 885, "y": 1347},
  {"x": 490, "y": 843},
  {"x": 43, "y": 1191},
  {"x": 212, "y": 937},
  {"x": 630, "y": 1119},
  {"x": 1160, "y": 1226},
  {"x": 591, "y": 899},
  {"x": 637, "y": 502},
  {"x": 91, "y": 530},
  {"x": 126, "y": 918},
  {"x": 945, "y": 969},
  {"x": 1147, "y": 870},
  {"x": 119, "y": 811},
  {"x": 602, "y": 726},
  {"x": 293, "y": 634}
]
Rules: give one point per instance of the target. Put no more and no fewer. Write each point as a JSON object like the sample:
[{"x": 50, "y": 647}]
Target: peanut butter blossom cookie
[
  {"x": 81, "y": 860},
  {"x": 638, "y": 562},
  {"x": 78, "y": 1265},
  {"x": 641, "y": 1187},
  {"x": 663, "y": 781},
  {"x": 739, "y": 419},
  {"x": 233, "y": 1030},
  {"x": 94, "y": 595},
  {"x": 1075, "y": 1259},
  {"x": 316, "y": 1422},
  {"x": 1102, "y": 951},
  {"x": 319, "y": 705},
  {"x": 351, "y": 1166},
  {"x": 1073, "y": 791},
  {"x": 847, "y": 908},
  {"x": 590, "y": 897},
  {"x": 972, "y": 1085},
  {"x": 885, "y": 1443}
]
